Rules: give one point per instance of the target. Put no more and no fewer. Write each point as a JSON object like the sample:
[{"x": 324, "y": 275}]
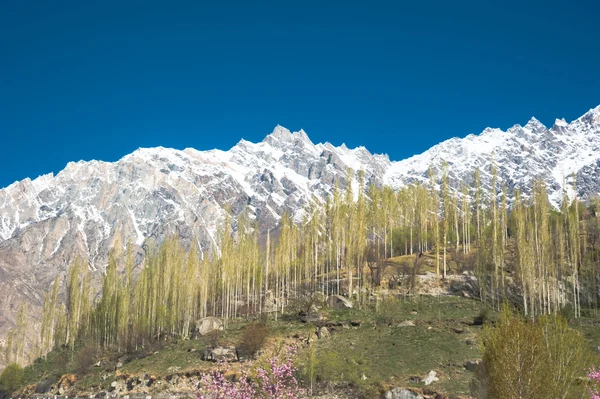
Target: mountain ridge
[{"x": 151, "y": 193}]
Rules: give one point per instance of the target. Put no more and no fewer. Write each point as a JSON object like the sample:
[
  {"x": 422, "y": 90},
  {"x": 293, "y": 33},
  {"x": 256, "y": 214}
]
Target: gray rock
[
  {"x": 472, "y": 365},
  {"x": 431, "y": 378},
  {"x": 208, "y": 325},
  {"x": 323, "y": 333},
  {"x": 220, "y": 354},
  {"x": 406, "y": 323},
  {"x": 402, "y": 393}
]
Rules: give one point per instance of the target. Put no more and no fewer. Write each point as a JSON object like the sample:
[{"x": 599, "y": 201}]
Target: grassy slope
[
  {"x": 390, "y": 355},
  {"x": 387, "y": 354}
]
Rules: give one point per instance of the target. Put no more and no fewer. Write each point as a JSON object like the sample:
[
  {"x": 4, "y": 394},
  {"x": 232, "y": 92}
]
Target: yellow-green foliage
[
  {"x": 531, "y": 359},
  {"x": 11, "y": 378}
]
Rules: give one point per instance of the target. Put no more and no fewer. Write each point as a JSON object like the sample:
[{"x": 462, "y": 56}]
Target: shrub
[
  {"x": 253, "y": 339},
  {"x": 388, "y": 309},
  {"x": 530, "y": 359},
  {"x": 482, "y": 317},
  {"x": 11, "y": 378},
  {"x": 308, "y": 365},
  {"x": 84, "y": 359}
]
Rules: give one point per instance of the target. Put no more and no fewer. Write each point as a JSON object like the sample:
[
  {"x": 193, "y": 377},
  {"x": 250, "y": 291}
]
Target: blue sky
[{"x": 96, "y": 80}]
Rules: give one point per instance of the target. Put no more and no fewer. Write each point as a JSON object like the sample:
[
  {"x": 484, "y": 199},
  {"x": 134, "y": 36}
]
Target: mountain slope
[
  {"x": 521, "y": 154},
  {"x": 151, "y": 193}
]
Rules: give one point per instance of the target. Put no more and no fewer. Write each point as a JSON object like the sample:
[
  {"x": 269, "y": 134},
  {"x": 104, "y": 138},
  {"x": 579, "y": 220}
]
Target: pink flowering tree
[
  {"x": 278, "y": 380},
  {"x": 214, "y": 385},
  {"x": 594, "y": 375},
  {"x": 275, "y": 380}
]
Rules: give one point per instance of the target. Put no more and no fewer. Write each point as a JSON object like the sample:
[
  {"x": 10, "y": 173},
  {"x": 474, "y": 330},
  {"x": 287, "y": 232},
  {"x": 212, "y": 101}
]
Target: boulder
[
  {"x": 119, "y": 386},
  {"x": 402, "y": 393},
  {"x": 431, "y": 377},
  {"x": 323, "y": 332},
  {"x": 406, "y": 323},
  {"x": 43, "y": 386},
  {"x": 472, "y": 365},
  {"x": 220, "y": 354},
  {"x": 338, "y": 302},
  {"x": 208, "y": 325}
]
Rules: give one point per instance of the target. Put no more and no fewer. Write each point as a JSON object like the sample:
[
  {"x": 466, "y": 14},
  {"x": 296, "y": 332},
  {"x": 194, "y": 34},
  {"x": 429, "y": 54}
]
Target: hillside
[
  {"x": 394, "y": 342},
  {"x": 46, "y": 223}
]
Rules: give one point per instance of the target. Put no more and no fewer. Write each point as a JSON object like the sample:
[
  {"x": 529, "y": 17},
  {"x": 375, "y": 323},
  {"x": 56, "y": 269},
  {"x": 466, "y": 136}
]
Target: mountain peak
[
  {"x": 534, "y": 125},
  {"x": 560, "y": 122},
  {"x": 282, "y": 136},
  {"x": 281, "y": 133},
  {"x": 301, "y": 135}
]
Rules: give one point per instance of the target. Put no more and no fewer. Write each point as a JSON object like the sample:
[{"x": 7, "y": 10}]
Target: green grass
[{"x": 390, "y": 355}]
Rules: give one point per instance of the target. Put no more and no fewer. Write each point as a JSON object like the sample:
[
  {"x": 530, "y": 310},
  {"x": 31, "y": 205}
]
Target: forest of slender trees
[{"x": 519, "y": 248}]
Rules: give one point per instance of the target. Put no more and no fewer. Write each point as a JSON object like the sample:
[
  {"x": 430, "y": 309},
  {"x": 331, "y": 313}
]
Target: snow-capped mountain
[
  {"x": 521, "y": 154},
  {"x": 154, "y": 192}
]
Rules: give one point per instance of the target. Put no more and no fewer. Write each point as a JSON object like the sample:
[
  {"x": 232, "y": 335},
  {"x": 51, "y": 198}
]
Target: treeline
[{"x": 540, "y": 258}]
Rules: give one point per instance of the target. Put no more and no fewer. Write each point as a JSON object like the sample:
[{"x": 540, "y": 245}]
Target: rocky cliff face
[{"x": 154, "y": 192}]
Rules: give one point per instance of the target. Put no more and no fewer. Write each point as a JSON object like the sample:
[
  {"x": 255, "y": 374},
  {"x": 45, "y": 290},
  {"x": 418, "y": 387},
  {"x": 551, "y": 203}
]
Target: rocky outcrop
[
  {"x": 220, "y": 354},
  {"x": 208, "y": 325},
  {"x": 402, "y": 393},
  {"x": 65, "y": 383}
]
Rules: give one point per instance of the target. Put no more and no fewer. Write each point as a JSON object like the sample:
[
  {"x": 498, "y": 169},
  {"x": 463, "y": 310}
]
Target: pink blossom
[
  {"x": 594, "y": 375},
  {"x": 276, "y": 381}
]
